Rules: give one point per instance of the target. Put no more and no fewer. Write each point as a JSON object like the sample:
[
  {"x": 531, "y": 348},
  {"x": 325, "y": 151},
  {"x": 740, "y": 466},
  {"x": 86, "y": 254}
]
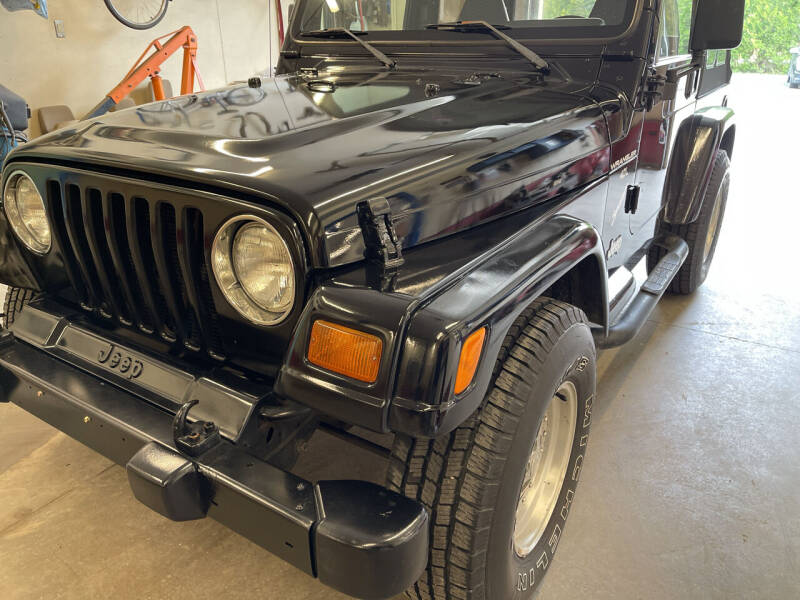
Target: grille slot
[
  {"x": 144, "y": 259},
  {"x": 194, "y": 233},
  {"x": 114, "y": 213},
  {"x": 170, "y": 236},
  {"x": 55, "y": 205},
  {"x": 76, "y": 232},
  {"x": 101, "y": 255},
  {"x": 139, "y": 262}
]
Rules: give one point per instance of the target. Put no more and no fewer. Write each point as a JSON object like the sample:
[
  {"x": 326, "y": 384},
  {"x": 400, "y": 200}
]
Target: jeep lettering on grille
[{"x": 118, "y": 361}]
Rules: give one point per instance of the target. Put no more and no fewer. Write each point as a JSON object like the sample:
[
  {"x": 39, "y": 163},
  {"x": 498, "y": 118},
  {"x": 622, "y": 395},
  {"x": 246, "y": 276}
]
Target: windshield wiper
[
  {"x": 339, "y": 32},
  {"x": 467, "y": 26}
]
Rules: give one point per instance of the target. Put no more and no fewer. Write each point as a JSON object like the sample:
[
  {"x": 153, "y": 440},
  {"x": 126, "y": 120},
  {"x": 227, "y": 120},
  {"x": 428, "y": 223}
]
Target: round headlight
[
  {"x": 263, "y": 266},
  {"x": 26, "y": 213},
  {"x": 254, "y": 269}
]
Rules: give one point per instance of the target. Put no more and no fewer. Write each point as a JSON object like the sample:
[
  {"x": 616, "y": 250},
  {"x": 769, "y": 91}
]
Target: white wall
[{"x": 78, "y": 70}]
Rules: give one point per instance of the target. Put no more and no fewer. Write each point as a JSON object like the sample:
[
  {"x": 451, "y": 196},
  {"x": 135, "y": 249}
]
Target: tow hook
[{"x": 193, "y": 438}]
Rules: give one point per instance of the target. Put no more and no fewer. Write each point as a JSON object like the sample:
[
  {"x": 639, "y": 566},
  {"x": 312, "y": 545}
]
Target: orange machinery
[{"x": 150, "y": 67}]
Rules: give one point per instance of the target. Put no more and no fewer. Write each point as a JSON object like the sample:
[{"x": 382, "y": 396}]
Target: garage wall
[{"x": 78, "y": 70}]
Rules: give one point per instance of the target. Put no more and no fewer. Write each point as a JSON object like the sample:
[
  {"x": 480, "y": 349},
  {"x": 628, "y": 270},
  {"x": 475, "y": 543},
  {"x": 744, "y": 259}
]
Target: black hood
[{"x": 448, "y": 150}]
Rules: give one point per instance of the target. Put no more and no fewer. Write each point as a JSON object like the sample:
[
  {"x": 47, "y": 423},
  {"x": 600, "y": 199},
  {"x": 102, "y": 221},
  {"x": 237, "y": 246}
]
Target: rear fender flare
[{"x": 699, "y": 138}]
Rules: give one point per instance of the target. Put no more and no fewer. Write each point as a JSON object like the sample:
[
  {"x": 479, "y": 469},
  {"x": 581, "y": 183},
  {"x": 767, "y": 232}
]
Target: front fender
[
  {"x": 699, "y": 138},
  {"x": 493, "y": 294},
  {"x": 425, "y": 309}
]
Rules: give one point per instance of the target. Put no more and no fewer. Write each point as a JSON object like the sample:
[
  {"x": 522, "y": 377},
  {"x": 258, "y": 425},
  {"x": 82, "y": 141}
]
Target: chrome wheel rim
[
  {"x": 546, "y": 469},
  {"x": 713, "y": 226}
]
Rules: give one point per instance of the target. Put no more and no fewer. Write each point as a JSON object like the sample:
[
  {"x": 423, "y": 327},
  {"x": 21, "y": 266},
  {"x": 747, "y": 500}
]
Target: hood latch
[{"x": 380, "y": 238}]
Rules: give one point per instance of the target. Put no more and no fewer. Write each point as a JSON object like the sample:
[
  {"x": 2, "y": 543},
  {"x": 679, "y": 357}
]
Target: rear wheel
[
  {"x": 702, "y": 235},
  {"x": 500, "y": 487}
]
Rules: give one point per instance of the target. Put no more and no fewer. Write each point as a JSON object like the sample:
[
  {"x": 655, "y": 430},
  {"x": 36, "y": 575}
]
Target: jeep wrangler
[{"x": 424, "y": 226}]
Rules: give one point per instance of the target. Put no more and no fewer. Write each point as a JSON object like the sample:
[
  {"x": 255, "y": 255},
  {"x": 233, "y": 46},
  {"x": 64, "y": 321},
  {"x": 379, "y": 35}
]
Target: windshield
[{"x": 559, "y": 18}]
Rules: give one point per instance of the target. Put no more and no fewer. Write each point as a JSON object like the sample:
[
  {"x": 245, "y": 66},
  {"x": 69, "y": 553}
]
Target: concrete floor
[{"x": 691, "y": 488}]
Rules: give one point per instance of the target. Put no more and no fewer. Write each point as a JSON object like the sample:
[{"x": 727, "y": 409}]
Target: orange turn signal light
[
  {"x": 468, "y": 361},
  {"x": 345, "y": 351}
]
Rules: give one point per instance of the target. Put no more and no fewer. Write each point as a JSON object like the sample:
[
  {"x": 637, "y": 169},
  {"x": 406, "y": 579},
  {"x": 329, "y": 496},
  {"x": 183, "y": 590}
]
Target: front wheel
[
  {"x": 500, "y": 487},
  {"x": 16, "y": 300},
  {"x": 138, "y": 14}
]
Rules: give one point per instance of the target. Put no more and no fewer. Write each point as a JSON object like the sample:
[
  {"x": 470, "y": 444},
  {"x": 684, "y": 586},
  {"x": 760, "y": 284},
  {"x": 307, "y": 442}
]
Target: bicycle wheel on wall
[{"x": 138, "y": 14}]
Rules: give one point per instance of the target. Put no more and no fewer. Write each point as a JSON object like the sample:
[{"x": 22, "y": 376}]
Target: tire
[
  {"x": 471, "y": 480},
  {"x": 134, "y": 24},
  {"x": 16, "y": 299},
  {"x": 704, "y": 230}
]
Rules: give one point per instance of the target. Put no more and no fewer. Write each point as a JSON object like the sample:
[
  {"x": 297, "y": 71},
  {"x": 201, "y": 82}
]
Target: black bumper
[{"x": 355, "y": 536}]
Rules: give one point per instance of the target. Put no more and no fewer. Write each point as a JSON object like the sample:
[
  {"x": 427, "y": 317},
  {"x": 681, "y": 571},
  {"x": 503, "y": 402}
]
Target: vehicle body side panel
[
  {"x": 624, "y": 161},
  {"x": 659, "y": 141}
]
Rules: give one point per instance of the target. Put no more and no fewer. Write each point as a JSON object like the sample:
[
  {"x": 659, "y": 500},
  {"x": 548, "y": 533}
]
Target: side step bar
[{"x": 641, "y": 307}]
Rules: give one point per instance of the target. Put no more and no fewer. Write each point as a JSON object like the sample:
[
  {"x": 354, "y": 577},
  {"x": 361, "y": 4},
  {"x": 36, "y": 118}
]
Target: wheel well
[
  {"x": 581, "y": 287},
  {"x": 728, "y": 140}
]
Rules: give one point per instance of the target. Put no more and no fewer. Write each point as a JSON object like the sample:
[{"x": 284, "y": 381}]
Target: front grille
[{"x": 137, "y": 261}]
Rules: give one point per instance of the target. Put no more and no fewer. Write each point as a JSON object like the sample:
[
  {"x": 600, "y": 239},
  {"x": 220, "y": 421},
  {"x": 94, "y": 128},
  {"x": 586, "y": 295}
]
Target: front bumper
[{"x": 357, "y": 537}]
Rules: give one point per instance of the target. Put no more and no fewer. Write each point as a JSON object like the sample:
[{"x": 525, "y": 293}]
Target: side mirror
[{"x": 718, "y": 25}]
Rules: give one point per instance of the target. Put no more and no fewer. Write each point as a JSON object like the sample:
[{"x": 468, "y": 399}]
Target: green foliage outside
[
  {"x": 685, "y": 20},
  {"x": 556, "y": 8},
  {"x": 771, "y": 29}
]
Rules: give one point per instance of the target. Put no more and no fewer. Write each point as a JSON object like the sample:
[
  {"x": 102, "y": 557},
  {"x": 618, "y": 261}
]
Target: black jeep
[{"x": 425, "y": 226}]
